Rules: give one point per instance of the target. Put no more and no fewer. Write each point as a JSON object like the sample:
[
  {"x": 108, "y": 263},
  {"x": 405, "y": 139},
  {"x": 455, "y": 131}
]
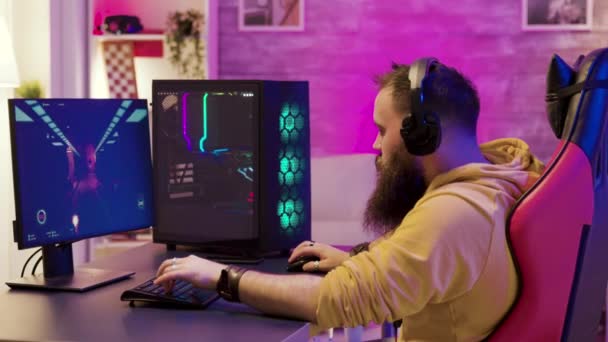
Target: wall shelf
[
  {"x": 131, "y": 37},
  {"x": 149, "y": 64}
]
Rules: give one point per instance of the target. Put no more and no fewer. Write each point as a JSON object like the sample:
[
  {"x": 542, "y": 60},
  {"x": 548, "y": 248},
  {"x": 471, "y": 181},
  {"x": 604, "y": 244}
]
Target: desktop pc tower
[{"x": 231, "y": 165}]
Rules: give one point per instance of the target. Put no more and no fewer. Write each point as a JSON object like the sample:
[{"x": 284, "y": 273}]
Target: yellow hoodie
[{"x": 446, "y": 269}]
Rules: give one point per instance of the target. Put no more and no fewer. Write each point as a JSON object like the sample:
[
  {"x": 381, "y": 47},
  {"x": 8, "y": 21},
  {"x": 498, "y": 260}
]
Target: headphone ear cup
[
  {"x": 433, "y": 125},
  {"x": 408, "y": 126},
  {"x": 421, "y": 139}
]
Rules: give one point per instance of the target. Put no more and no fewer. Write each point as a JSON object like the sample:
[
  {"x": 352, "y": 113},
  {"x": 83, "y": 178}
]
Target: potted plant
[
  {"x": 183, "y": 39},
  {"x": 30, "y": 90}
]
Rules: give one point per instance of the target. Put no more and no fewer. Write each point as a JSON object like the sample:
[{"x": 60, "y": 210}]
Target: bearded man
[{"x": 441, "y": 264}]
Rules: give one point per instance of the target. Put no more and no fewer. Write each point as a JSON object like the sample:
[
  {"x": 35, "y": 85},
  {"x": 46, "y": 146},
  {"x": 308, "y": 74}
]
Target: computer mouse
[{"x": 296, "y": 265}]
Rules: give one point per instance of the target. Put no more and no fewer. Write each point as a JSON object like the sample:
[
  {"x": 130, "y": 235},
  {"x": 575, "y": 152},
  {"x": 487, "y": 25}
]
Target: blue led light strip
[
  {"x": 115, "y": 119},
  {"x": 52, "y": 126},
  {"x": 204, "y": 137}
]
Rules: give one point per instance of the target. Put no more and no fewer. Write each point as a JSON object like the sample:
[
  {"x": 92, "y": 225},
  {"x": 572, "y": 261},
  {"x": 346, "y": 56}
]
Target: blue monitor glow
[{"x": 82, "y": 168}]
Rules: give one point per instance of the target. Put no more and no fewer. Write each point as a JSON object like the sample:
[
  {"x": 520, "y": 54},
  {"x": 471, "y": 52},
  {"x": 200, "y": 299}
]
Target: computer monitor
[
  {"x": 231, "y": 165},
  {"x": 82, "y": 168}
]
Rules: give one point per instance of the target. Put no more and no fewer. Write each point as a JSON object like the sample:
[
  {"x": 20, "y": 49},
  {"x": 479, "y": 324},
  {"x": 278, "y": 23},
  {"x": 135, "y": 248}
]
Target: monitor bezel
[
  {"x": 18, "y": 229},
  {"x": 248, "y": 245}
]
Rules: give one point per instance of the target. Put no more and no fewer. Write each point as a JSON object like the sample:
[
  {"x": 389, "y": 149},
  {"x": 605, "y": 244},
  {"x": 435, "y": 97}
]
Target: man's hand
[
  {"x": 269, "y": 293},
  {"x": 198, "y": 271},
  {"x": 329, "y": 257}
]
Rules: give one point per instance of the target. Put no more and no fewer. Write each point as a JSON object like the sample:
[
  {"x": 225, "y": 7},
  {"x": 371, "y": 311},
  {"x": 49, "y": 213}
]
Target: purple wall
[{"x": 346, "y": 42}]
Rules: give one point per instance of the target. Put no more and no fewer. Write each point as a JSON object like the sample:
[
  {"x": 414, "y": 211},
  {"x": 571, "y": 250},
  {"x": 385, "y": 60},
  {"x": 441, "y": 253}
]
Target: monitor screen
[
  {"x": 82, "y": 168},
  {"x": 205, "y": 157}
]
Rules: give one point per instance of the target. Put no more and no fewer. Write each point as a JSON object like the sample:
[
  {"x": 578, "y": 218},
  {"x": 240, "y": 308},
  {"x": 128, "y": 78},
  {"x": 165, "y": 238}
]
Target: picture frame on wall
[
  {"x": 271, "y": 15},
  {"x": 547, "y": 15}
]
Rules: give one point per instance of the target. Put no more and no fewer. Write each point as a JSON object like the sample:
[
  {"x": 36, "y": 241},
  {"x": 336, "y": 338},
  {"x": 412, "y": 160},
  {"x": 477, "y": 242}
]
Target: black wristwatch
[{"x": 228, "y": 284}]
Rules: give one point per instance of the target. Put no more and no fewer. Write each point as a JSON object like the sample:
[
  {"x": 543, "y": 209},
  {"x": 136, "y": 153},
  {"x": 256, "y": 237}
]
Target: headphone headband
[{"x": 419, "y": 69}]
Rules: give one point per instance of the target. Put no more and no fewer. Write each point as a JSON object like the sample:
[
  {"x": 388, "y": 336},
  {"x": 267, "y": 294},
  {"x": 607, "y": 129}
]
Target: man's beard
[{"x": 400, "y": 184}]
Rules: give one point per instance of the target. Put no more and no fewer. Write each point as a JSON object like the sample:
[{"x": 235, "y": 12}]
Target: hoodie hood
[{"x": 511, "y": 165}]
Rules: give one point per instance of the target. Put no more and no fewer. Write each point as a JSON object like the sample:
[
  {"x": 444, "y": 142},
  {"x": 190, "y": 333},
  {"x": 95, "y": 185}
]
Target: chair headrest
[
  {"x": 559, "y": 77},
  {"x": 564, "y": 82}
]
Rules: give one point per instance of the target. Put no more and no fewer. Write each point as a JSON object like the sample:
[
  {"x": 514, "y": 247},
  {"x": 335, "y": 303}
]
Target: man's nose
[{"x": 376, "y": 145}]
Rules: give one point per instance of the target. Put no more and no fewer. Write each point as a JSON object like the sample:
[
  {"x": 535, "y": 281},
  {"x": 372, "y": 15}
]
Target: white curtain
[
  {"x": 70, "y": 66},
  {"x": 69, "y": 48}
]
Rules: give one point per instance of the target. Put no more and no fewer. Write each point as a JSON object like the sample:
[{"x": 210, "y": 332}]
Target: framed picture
[
  {"x": 271, "y": 15},
  {"x": 541, "y": 15}
]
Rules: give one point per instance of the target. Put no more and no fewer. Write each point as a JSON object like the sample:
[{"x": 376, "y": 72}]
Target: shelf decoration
[
  {"x": 120, "y": 69},
  {"x": 183, "y": 38}
]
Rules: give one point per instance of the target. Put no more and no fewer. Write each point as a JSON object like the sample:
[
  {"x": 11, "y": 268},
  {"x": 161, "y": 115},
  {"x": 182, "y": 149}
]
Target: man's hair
[{"x": 447, "y": 93}]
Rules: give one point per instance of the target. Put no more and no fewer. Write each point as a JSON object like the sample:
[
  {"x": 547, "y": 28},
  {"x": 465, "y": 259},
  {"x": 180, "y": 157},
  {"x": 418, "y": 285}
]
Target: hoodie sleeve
[{"x": 436, "y": 254}]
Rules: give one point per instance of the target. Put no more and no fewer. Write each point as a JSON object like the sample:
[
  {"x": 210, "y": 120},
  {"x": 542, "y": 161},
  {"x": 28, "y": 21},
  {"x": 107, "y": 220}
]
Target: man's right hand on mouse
[{"x": 329, "y": 257}]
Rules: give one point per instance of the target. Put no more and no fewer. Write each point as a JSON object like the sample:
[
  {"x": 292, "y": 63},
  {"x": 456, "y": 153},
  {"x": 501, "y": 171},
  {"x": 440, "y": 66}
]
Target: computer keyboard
[{"x": 182, "y": 294}]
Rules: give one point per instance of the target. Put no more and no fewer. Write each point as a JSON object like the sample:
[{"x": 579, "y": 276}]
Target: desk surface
[{"x": 99, "y": 315}]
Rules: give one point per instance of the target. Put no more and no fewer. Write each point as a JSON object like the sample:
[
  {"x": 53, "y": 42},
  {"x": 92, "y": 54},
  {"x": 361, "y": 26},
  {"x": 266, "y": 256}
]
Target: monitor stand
[
  {"x": 59, "y": 273},
  {"x": 223, "y": 254}
]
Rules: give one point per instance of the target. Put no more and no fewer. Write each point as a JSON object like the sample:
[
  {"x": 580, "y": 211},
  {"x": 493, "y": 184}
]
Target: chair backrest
[{"x": 558, "y": 230}]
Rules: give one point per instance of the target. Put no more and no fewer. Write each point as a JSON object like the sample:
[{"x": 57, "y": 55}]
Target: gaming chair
[{"x": 558, "y": 230}]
